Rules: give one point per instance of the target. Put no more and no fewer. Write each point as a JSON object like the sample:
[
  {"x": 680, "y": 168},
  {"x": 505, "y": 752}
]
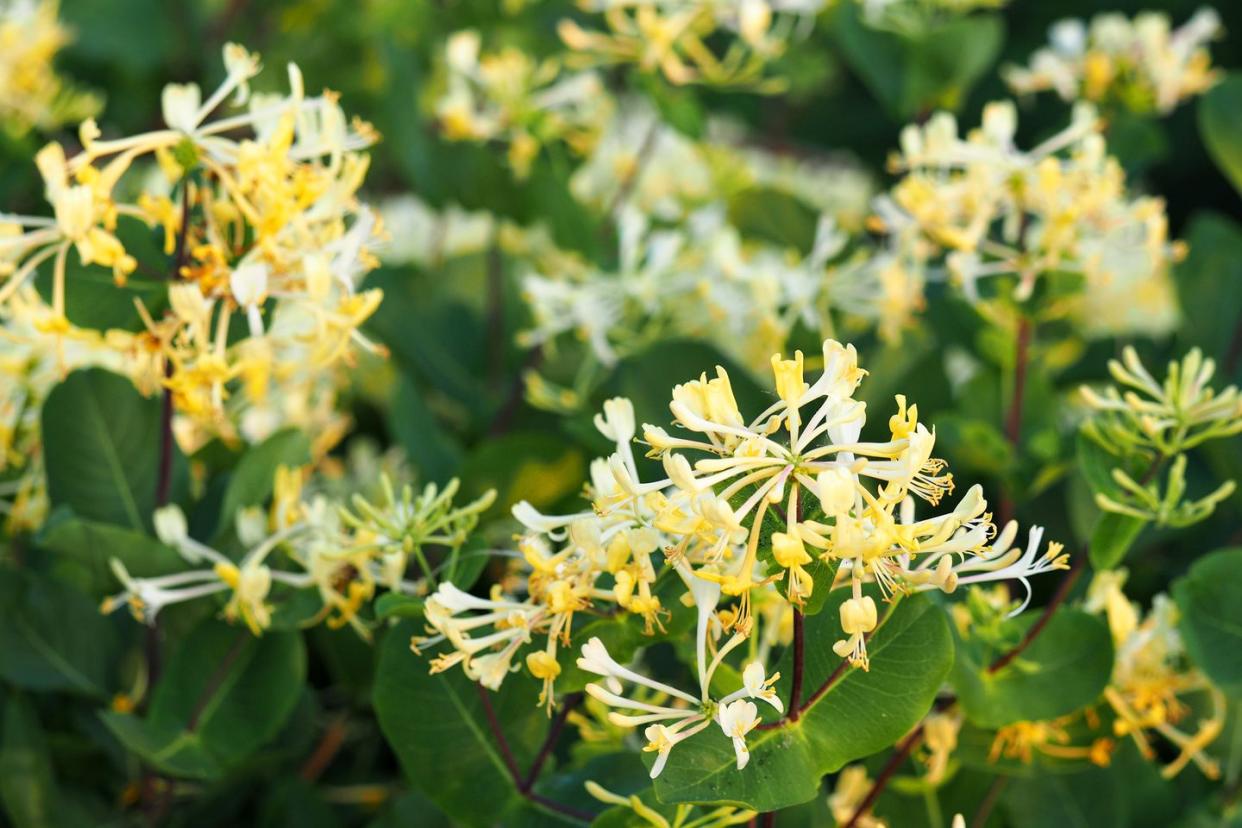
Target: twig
[
  {"x": 495, "y": 313},
  {"x": 769, "y": 820},
  {"x": 795, "y": 686},
  {"x": 513, "y": 400},
  {"x": 501, "y": 741},
  {"x": 215, "y": 680},
  {"x": 323, "y": 754},
  {"x": 1058, "y": 598},
  {"x": 989, "y": 802},
  {"x": 525, "y": 784},
  {"x": 560, "y": 807},
  {"x": 640, "y": 160},
  {"x": 549, "y": 741},
  {"x": 904, "y": 749},
  {"x": 1013, "y": 419}
]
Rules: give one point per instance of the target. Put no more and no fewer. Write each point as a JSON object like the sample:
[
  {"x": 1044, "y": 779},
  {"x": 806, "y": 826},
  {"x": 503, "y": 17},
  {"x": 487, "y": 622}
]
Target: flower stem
[
  {"x": 904, "y": 749},
  {"x": 549, "y": 741},
  {"x": 525, "y": 784},
  {"x": 1058, "y": 598},
  {"x": 990, "y": 799},
  {"x": 1013, "y": 419},
  {"x": 163, "y": 483},
  {"x": 795, "y": 687}
]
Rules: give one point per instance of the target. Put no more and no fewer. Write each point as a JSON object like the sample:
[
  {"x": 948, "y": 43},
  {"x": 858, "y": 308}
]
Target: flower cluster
[
  {"x": 306, "y": 543},
  {"x": 803, "y": 453},
  {"x": 31, "y": 364},
  {"x": 676, "y": 39},
  {"x": 1153, "y": 422},
  {"x": 796, "y": 483},
  {"x": 686, "y": 816},
  {"x": 997, "y": 210},
  {"x": 702, "y": 280},
  {"x": 1152, "y": 677},
  {"x": 1141, "y": 64},
  {"x": 261, "y": 220},
  {"x": 31, "y": 93},
  {"x": 511, "y": 98}
]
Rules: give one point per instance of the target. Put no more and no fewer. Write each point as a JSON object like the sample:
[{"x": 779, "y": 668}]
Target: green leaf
[
  {"x": 1212, "y": 269},
  {"x": 1096, "y": 464},
  {"x": 1210, "y": 599},
  {"x": 913, "y": 73},
  {"x": 1220, "y": 124},
  {"x": 1091, "y": 799},
  {"x": 94, "y": 301},
  {"x": 103, "y": 448},
  {"x": 432, "y": 449},
  {"x": 440, "y": 339},
  {"x": 1064, "y": 669},
  {"x": 861, "y": 713},
  {"x": 769, "y": 215},
  {"x": 27, "y": 789},
  {"x": 437, "y": 727},
  {"x": 538, "y": 467},
  {"x": 1112, "y": 538},
  {"x": 83, "y": 548},
  {"x": 398, "y": 605},
  {"x": 251, "y": 482},
  {"x": 223, "y": 695},
  {"x": 53, "y": 637}
]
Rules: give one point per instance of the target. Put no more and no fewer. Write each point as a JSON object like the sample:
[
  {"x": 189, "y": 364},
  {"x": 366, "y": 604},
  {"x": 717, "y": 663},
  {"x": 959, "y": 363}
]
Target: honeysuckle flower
[
  {"x": 851, "y": 790},
  {"x": 1152, "y": 677},
  {"x": 999, "y": 561},
  {"x": 1149, "y": 422},
  {"x": 32, "y": 94},
  {"x": 308, "y": 542},
  {"x": 940, "y": 731},
  {"x": 1022, "y": 740},
  {"x": 996, "y": 210},
  {"x": 249, "y": 286},
  {"x": 736, "y": 719},
  {"x": 511, "y": 97},
  {"x": 1166, "y": 417},
  {"x": 421, "y": 235},
  {"x": 758, "y": 686},
  {"x": 673, "y": 38},
  {"x": 1141, "y": 64},
  {"x": 713, "y": 507},
  {"x": 274, "y": 226},
  {"x": 718, "y": 816}
]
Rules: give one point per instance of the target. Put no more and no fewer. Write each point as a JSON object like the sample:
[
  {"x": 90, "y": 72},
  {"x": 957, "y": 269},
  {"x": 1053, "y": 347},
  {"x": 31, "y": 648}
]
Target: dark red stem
[
  {"x": 1013, "y": 419},
  {"x": 1058, "y": 598},
  {"x": 904, "y": 749},
  {"x": 524, "y": 784},
  {"x": 795, "y": 687}
]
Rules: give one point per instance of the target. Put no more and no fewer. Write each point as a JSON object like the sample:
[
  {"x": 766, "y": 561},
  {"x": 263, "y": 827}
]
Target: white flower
[
  {"x": 249, "y": 286},
  {"x": 170, "y": 525},
  {"x": 736, "y": 720}
]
